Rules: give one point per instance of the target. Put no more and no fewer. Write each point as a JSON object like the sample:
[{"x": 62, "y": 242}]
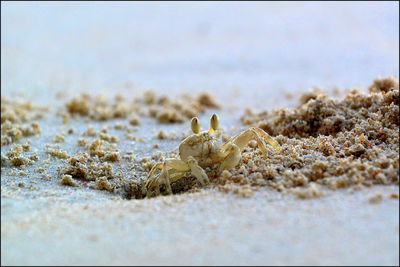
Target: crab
[{"x": 201, "y": 150}]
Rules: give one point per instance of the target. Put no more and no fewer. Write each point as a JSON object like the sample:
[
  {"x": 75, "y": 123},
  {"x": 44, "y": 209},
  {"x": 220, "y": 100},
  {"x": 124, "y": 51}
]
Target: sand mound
[{"x": 332, "y": 142}]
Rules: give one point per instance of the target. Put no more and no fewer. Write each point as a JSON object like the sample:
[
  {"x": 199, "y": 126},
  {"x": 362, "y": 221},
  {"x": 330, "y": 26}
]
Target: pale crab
[{"x": 201, "y": 150}]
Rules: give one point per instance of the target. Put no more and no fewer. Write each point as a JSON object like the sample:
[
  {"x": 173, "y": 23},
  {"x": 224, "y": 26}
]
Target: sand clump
[
  {"x": 178, "y": 110},
  {"x": 312, "y": 190},
  {"x": 99, "y": 166},
  {"x": 18, "y": 120},
  {"x": 66, "y": 179},
  {"x": 93, "y": 164},
  {"x": 164, "y": 108},
  {"x": 162, "y": 135},
  {"x": 103, "y": 149},
  {"x": 83, "y": 167},
  {"x": 18, "y": 156},
  {"x": 333, "y": 142},
  {"x": 243, "y": 191},
  {"x": 55, "y": 151},
  {"x": 99, "y": 107},
  {"x": 88, "y": 170}
]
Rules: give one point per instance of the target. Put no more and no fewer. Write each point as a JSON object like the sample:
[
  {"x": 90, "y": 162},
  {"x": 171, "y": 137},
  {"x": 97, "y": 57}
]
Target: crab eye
[
  {"x": 195, "y": 124},
  {"x": 214, "y": 123}
]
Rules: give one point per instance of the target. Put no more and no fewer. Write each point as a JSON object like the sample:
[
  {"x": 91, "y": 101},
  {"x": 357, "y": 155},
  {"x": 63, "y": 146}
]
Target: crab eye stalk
[
  {"x": 214, "y": 123},
  {"x": 195, "y": 124}
]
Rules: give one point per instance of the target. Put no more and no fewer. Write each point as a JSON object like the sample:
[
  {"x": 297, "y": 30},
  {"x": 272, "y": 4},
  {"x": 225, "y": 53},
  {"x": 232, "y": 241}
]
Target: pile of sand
[{"x": 353, "y": 141}]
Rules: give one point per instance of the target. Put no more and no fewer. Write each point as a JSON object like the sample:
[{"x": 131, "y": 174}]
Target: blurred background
[
  {"x": 247, "y": 54},
  {"x": 249, "y": 47}
]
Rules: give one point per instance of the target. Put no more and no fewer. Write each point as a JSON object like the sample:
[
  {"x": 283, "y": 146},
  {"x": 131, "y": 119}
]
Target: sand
[
  {"x": 255, "y": 63},
  {"x": 204, "y": 228}
]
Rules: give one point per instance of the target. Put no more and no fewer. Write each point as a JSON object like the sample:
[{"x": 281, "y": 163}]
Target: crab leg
[
  {"x": 268, "y": 138},
  {"x": 198, "y": 171},
  {"x": 165, "y": 175},
  {"x": 243, "y": 138},
  {"x": 231, "y": 150},
  {"x": 174, "y": 175},
  {"x": 231, "y": 159},
  {"x": 179, "y": 166},
  {"x": 171, "y": 163}
]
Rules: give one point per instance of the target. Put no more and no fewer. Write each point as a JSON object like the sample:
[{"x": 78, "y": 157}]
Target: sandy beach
[{"x": 261, "y": 56}]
